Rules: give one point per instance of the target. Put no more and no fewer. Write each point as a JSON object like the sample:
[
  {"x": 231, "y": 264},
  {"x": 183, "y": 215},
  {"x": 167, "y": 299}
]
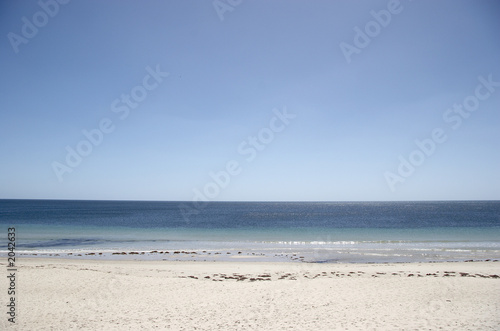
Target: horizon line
[{"x": 260, "y": 201}]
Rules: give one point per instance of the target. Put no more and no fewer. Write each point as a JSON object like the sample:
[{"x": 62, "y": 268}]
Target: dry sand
[{"x": 63, "y": 294}]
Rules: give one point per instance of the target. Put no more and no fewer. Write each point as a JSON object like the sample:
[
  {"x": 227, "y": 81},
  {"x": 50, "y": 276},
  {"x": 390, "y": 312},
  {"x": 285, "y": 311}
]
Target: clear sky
[{"x": 279, "y": 100}]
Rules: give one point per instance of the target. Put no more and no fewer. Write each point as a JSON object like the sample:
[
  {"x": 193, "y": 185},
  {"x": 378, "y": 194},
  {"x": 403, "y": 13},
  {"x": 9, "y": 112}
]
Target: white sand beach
[{"x": 63, "y": 294}]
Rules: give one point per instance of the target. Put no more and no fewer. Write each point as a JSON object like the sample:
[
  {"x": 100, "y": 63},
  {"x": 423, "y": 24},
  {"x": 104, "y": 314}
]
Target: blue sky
[{"x": 353, "y": 118}]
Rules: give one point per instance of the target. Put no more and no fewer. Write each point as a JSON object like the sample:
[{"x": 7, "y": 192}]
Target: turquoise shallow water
[{"x": 311, "y": 232}]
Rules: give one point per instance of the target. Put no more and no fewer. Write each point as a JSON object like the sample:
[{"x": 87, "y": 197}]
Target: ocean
[{"x": 315, "y": 232}]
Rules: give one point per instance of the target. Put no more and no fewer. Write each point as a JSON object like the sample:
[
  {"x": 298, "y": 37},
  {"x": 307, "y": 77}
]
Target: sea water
[{"x": 265, "y": 231}]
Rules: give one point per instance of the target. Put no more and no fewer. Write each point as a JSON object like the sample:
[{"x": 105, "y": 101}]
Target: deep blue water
[
  {"x": 144, "y": 214},
  {"x": 341, "y": 231}
]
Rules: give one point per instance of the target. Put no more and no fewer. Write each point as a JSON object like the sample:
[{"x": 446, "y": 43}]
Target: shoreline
[
  {"x": 232, "y": 256},
  {"x": 488, "y": 268}
]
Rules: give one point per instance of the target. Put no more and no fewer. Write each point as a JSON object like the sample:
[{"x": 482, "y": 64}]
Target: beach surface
[{"x": 63, "y": 294}]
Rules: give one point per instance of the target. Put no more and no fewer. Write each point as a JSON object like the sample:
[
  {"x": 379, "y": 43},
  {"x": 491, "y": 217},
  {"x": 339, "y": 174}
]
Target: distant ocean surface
[{"x": 322, "y": 232}]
